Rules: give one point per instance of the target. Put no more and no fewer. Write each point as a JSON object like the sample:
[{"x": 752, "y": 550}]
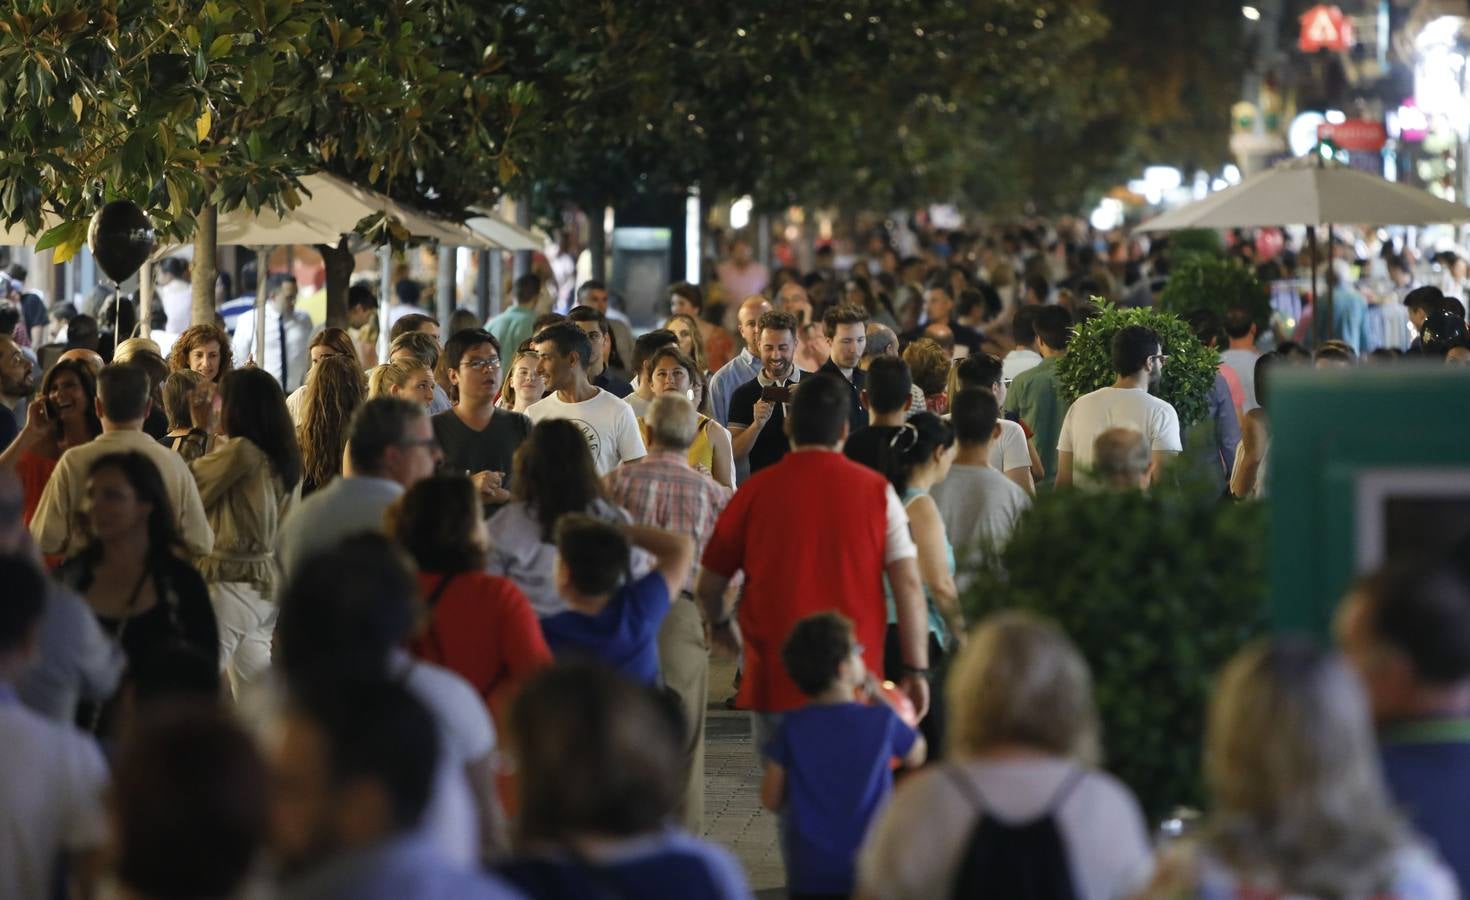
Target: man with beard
[
  {"x": 758, "y": 407},
  {"x": 1138, "y": 361},
  {"x": 608, "y": 423},
  {"x": 17, "y": 381}
]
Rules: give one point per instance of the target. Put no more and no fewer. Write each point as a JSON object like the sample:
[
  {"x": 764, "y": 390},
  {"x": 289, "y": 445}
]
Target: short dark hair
[
  {"x": 591, "y": 284},
  {"x": 25, "y": 599},
  {"x": 1205, "y": 323},
  {"x": 1428, "y": 299},
  {"x": 1238, "y": 322},
  {"x": 124, "y": 390},
  {"x": 819, "y": 410},
  {"x": 1132, "y": 347},
  {"x": 1454, "y": 307},
  {"x": 461, "y": 342},
  {"x": 174, "y": 266},
  {"x": 343, "y": 609},
  {"x": 546, "y": 320},
  {"x": 1054, "y": 326},
  {"x": 378, "y": 424},
  {"x": 527, "y": 288},
  {"x": 568, "y": 339},
  {"x": 1023, "y": 326},
  {"x": 594, "y": 552},
  {"x": 376, "y": 730},
  {"x": 816, "y": 649},
  {"x": 982, "y": 370},
  {"x": 275, "y": 282},
  {"x": 423, "y": 346},
  {"x": 360, "y": 296},
  {"x": 408, "y": 291},
  {"x": 689, "y": 292},
  {"x": 588, "y": 314},
  {"x": 1423, "y": 610},
  {"x": 410, "y": 323},
  {"x": 843, "y": 315},
  {"x": 1037, "y": 284},
  {"x": 81, "y": 332},
  {"x": 191, "y": 797},
  {"x": 974, "y": 413},
  {"x": 889, "y": 384},
  {"x": 939, "y": 281},
  {"x": 648, "y": 344},
  {"x": 777, "y": 320}
]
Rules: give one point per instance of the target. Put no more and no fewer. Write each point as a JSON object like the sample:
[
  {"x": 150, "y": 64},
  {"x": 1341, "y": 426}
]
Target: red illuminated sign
[{"x": 1325, "y": 28}]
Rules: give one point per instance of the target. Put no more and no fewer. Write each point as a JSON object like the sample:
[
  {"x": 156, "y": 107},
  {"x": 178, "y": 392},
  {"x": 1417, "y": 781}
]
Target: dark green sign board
[{"x": 1364, "y": 465}]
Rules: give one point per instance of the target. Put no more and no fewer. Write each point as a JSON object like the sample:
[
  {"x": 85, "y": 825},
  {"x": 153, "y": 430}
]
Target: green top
[
  {"x": 1035, "y": 398},
  {"x": 511, "y": 328},
  {"x": 1452, "y": 730}
]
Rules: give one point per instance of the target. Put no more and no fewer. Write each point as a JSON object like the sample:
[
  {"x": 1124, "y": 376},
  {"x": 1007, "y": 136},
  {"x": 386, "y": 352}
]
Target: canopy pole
[
  {"x": 1329, "y": 277},
  {"x": 145, "y": 299},
  {"x": 444, "y": 285},
  {"x": 385, "y": 295},
  {"x": 482, "y": 285},
  {"x": 1316, "y": 304},
  {"x": 262, "y": 275},
  {"x": 497, "y": 283}
]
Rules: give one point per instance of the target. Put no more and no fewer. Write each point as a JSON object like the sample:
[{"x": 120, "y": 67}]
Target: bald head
[
  {"x": 1120, "y": 458},
  {"x": 882, "y": 341},
  {"x": 92, "y": 358},
  {"x": 750, "y": 313}
]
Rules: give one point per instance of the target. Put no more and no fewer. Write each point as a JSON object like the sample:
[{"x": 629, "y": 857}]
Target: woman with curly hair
[
  {"x": 204, "y": 349},
  {"x": 335, "y": 389}
]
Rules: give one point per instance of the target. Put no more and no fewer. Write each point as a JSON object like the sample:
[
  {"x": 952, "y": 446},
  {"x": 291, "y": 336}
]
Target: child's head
[
  {"x": 821, "y": 654},
  {"x": 592, "y": 555}
]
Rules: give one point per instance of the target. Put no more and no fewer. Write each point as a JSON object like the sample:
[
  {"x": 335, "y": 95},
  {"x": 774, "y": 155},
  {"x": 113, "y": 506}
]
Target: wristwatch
[{"x": 907, "y": 669}]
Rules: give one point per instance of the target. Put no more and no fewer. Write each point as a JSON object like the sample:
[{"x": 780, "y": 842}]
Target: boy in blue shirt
[
  {"x": 614, "y": 618},
  {"x": 828, "y": 768}
]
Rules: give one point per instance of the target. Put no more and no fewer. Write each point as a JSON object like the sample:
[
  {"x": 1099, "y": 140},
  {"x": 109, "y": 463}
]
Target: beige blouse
[{"x": 243, "y": 500}]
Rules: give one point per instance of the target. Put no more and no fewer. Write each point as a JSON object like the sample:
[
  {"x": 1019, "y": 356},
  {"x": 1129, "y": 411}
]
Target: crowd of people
[{"x": 317, "y": 625}]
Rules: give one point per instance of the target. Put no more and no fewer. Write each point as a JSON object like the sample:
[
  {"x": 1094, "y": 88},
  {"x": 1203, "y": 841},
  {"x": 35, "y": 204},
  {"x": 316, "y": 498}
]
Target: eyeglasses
[{"x": 482, "y": 365}]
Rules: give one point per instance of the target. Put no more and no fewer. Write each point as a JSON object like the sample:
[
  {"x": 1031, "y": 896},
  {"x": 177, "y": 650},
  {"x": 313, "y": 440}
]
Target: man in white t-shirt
[
  {"x": 607, "y": 422},
  {"x": 52, "y": 781},
  {"x": 978, "y": 505},
  {"x": 1138, "y": 361},
  {"x": 1010, "y": 452}
]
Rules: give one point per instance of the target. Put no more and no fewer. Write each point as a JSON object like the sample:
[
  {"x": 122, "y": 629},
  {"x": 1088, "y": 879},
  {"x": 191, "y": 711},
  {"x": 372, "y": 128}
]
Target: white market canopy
[
  {"x": 506, "y": 235},
  {"x": 1301, "y": 193}
]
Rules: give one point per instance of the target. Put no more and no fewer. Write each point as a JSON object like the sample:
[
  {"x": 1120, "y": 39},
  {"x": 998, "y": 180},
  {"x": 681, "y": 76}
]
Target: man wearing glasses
[
  {"x": 1138, "y": 361},
  {"x": 479, "y": 439}
]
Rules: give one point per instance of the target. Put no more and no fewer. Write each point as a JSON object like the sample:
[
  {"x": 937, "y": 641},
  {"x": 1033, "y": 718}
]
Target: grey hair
[
  {"x": 1120, "y": 457},
  {"x": 881, "y": 339},
  {"x": 1294, "y": 776},
  {"x": 672, "y": 421}
]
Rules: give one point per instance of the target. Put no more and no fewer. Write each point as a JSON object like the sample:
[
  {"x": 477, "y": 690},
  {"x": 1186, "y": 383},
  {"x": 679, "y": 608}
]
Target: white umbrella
[
  {"x": 506, "y": 235},
  {"x": 1307, "y": 192}
]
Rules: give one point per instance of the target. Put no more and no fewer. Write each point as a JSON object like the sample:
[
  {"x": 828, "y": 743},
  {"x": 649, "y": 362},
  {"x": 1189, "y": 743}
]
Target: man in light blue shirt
[{"x": 744, "y": 366}]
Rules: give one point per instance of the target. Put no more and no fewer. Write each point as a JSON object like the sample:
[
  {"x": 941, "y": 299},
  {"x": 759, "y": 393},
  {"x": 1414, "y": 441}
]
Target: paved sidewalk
[{"x": 732, "y": 808}]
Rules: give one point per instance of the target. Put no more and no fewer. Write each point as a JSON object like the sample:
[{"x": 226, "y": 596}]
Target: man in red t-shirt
[{"x": 813, "y": 532}]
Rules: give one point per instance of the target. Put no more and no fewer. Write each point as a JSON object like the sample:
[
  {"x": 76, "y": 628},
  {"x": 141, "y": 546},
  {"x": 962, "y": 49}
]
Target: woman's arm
[
  {"x": 934, "y": 569},
  {"x": 723, "y": 464}
]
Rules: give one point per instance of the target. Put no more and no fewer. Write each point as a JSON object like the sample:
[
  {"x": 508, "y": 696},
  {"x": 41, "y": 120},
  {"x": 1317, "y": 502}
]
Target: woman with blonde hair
[
  {"x": 406, "y": 377},
  {"x": 1299, "y": 807},
  {"x": 524, "y": 383},
  {"x": 335, "y": 389},
  {"x": 204, "y": 349},
  {"x": 1020, "y": 774},
  {"x": 325, "y": 344}
]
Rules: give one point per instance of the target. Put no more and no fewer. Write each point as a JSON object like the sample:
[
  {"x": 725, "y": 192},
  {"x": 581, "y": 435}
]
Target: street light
[{"x": 1250, "y": 12}]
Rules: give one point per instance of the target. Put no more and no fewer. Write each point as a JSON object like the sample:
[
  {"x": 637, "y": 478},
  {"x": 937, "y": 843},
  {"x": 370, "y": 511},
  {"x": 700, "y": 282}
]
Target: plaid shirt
[{"x": 663, "y": 491}]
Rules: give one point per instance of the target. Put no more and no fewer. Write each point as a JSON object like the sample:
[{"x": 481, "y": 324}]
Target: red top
[
  {"x": 482, "y": 628},
  {"x": 34, "y": 471},
  {"x": 810, "y": 533}
]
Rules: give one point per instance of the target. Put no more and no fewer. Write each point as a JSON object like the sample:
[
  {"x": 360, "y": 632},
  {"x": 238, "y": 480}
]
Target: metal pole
[
  {"x": 497, "y": 283},
  {"x": 482, "y": 284},
  {"x": 521, "y": 265},
  {"x": 262, "y": 273},
  {"x": 444, "y": 288},
  {"x": 145, "y": 299},
  {"x": 1316, "y": 300},
  {"x": 385, "y": 294}
]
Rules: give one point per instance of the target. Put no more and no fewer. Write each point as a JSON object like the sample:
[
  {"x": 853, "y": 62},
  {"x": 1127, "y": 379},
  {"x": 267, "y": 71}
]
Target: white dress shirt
[{"x": 297, "y": 330}]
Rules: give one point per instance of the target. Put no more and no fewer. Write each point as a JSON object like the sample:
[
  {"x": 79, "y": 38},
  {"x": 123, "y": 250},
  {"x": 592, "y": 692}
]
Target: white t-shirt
[
  {"x": 1018, "y": 361},
  {"x": 914, "y": 848},
  {"x": 607, "y": 422},
  {"x": 1009, "y": 451},
  {"x": 979, "y": 507},
  {"x": 177, "y": 300},
  {"x": 1111, "y": 407},
  {"x": 50, "y": 794}
]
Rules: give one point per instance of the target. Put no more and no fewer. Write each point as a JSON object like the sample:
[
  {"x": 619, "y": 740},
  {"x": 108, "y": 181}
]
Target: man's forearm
[
  {"x": 744, "y": 439},
  {"x": 913, "y": 616},
  {"x": 709, "y": 590}
]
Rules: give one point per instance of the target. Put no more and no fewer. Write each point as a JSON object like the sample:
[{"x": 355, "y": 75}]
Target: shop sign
[
  {"x": 1325, "y": 28},
  {"x": 1354, "y": 135}
]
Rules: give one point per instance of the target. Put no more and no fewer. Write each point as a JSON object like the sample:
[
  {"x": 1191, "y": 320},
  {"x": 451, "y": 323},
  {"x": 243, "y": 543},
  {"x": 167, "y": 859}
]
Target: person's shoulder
[
  {"x": 543, "y": 407},
  {"x": 504, "y": 418},
  {"x": 747, "y": 389},
  {"x": 1011, "y": 430}
]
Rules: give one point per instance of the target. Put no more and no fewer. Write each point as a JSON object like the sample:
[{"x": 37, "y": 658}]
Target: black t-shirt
[
  {"x": 612, "y": 384},
  {"x": 490, "y": 450},
  {"x": 857, "y": 417},
  {"x": 771, "y": 444},
  {"x": 869, "y": 446}
]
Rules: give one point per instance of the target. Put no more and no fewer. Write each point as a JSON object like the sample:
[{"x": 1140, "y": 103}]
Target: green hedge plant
[
  {"x": 1157, "y": 590},
  {"x": 1216, "y": 284},
  {"x": 1188, "y": 376}
]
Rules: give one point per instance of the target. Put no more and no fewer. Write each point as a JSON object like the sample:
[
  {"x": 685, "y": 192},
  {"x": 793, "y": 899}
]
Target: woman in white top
[
  {"x": 1299, "y": 807},
  {"x": 1023, "y": 740}
]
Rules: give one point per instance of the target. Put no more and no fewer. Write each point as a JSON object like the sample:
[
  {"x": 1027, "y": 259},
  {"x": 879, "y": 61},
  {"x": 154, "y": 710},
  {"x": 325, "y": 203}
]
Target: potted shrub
[
  {"x": 1188, "y": 375},
  {"x": 1216, "y": 284},
  {"x": 1157, "y": 589}
]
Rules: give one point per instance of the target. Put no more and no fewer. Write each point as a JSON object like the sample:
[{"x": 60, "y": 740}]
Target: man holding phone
[{"x": 758, "y": 407}]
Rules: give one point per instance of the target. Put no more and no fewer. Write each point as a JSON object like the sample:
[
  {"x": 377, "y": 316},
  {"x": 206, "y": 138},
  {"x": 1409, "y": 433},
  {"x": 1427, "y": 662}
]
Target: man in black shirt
[
  {"x": 478, "y": 438},
  {"x": 601, "y": 367},
  {"x": 888, "y": 397},
  {"x": 758, "y": 407},
  {"x": 847, "y": 336}
]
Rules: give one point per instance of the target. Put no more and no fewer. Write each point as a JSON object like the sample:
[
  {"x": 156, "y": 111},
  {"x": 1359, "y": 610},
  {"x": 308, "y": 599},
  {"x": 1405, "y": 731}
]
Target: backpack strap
[{"x": 977, "y": 799}]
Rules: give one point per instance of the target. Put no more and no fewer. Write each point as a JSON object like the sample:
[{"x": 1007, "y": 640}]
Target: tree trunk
[
  {"x": 597, "y": 246},
  {"x": 339, "y": 263},
  {"x": 204, "y": 272}
]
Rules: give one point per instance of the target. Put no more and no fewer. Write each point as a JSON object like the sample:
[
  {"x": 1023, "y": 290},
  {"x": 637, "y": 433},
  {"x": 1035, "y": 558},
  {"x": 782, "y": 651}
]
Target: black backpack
[{"x": 1025, "y": 861}]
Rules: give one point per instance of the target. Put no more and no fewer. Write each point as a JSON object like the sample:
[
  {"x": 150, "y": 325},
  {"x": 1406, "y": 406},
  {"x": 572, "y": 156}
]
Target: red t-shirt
[
  {"x": 482, "y": 628},
  {"x": 810, "y": 534},
  {"x": 34, "y": 471}
]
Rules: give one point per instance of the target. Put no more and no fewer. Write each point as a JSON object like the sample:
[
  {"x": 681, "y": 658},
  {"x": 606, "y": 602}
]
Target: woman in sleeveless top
[
  {"x": 63, "y": 415},
  {"x": 244, "y": 482},
  {"x": 672, "y": 371},
  {"x": 1018, "y": 810}
]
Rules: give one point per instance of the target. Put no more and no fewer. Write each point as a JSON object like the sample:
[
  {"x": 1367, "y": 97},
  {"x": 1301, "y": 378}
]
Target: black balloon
[{"x": 120, "y": 238}]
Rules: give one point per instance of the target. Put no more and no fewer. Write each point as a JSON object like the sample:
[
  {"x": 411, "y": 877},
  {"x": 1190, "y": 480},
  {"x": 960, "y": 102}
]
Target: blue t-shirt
[
  {"x": 1427, "y": 766},
  {"x": 624, "y": 634},
  {"x": 838, "y": 775},
  {"x": 668, "y": 866}
]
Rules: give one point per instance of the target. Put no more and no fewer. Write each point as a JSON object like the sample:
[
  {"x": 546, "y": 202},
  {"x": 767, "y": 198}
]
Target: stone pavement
[{"x": 733, "y": 815}]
